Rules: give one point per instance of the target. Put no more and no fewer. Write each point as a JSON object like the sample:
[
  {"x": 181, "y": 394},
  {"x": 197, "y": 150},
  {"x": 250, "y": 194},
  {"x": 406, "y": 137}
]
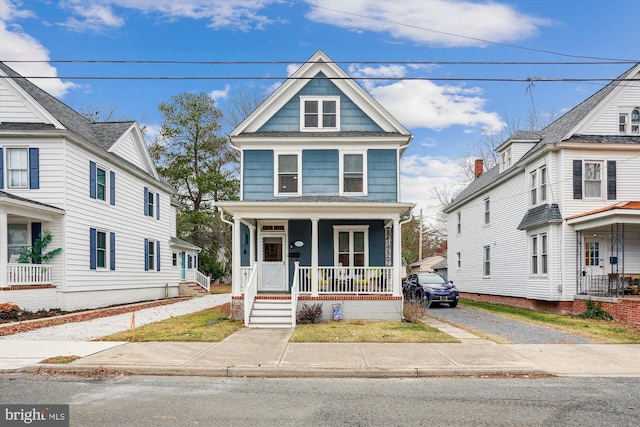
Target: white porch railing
[
  {"x": 294, "y": 295},
  {"x": 29, "y": 274},
  {"x": 194, "y": 276},
  {"x": 250, "y": 291},
  {"x": 347, "y": 280}
]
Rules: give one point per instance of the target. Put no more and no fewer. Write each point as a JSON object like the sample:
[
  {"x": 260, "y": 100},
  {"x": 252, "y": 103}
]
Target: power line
[
  {"x": 280, "y": 62},
  {"x": 415, "y": 27},
  {"x": 455, "y": 79}
]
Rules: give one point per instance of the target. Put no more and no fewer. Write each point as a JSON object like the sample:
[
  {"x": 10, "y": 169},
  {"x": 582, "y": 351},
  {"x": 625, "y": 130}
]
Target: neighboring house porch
[{"x": 608, "y": 250}]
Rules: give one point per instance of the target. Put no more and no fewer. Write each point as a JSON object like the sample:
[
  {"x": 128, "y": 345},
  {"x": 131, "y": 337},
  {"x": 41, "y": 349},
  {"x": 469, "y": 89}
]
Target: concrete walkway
[{"x": 267, "y": 353}]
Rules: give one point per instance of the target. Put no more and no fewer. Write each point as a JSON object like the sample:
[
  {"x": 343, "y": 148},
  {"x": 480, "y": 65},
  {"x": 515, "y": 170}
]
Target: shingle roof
[
  {"x": 5, "y": 195},
  {"x": 540, "y": 215},
  {"x": 553, "y": 133},
  {"x": 101, "y": 135}
]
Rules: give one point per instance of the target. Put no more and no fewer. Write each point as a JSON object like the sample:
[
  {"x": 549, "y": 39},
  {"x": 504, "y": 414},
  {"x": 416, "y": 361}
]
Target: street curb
[{"x": 259, "y": 372}]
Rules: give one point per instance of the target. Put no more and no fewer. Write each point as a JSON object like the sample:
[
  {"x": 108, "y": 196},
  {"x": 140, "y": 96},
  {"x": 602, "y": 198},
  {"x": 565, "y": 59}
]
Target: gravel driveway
[
  {"x": 96, "y": 328},
  {"x": 502, "y": 329}
]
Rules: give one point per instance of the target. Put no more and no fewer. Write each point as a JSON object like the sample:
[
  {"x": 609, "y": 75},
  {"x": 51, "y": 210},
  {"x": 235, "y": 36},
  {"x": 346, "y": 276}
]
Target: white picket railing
[
  {"x": 347, "y": 280},
  {"x": 194, "y": 276},
  {"x": 250, "y": 289},
  {"x": 29, "y": 274}
]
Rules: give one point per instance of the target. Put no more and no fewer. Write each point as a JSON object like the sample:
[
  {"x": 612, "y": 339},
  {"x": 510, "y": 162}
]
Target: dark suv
[{"x": 428, "y": 289}]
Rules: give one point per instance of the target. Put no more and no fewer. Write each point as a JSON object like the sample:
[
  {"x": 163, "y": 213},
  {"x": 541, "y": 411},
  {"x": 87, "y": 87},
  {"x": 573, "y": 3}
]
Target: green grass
[
  {"x": 192, "y": 327},
  {"x": 599, "y": 331},
  {"x": 359, "y": 331}
]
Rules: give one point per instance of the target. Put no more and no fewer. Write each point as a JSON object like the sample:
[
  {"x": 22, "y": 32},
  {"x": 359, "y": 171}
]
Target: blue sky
[{"x": 383, "y": 39}]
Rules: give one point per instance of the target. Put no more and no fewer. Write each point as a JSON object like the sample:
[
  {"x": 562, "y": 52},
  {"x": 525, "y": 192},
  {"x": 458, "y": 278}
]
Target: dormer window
[
  {"x": 319, "y": 113},
  {"x": 629, "y": 123}
]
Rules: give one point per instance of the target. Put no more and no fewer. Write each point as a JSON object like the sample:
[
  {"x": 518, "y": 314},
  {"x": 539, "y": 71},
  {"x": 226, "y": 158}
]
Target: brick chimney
[{"x": 479, "y": 168}]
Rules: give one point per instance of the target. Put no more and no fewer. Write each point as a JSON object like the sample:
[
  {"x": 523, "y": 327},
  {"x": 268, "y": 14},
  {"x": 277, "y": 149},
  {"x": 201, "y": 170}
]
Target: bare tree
[{"x": 239, "y": 104}]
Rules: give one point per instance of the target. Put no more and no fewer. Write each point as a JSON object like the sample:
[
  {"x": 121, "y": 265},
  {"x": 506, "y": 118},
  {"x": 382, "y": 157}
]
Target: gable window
[
  {"x": 353, "y": 173},
  {"x": 486, "y": 262},
  {"x": 288, "y": 174},
  {"x": 18, "y": 167},
  {"x": 622, "y": 123},
  {"x": 503, "y": 161},
  {"x": 509, "y": 158},
  {"x": 320, "y": 113},
  {"x": 635, "y": 121},
  {"x": 487, "y": 212},
  {"x": 592, "y": 179}
]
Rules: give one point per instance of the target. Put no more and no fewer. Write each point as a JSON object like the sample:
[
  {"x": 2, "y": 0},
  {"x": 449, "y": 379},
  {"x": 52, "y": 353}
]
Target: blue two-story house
[{"x": 319, "y": 215}]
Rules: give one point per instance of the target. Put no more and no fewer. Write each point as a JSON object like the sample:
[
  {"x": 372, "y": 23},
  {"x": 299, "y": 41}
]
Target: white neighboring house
[
  {"x": 558, "y": 219},
  {"x": 95, "y": 188}
]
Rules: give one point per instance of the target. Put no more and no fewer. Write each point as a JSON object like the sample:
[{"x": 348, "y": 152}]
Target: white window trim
[
  {"x": 276, "y": 173},
  {"x": 628, "y": 123},
  {"x": 486, "y": 261},
  {"x": 106, "y": 183},
  {"x": 533, "y": 191},
  {"x": 365, "y": 184},
  {"x": 458, "y": 260},
  {"x": 487, "y": 211},
  {"x": 351, "y": 229},
  {"x": 319, "y": 128},
  {"x": 106, "y": 249},
  {"x": 459, "y": 223},
  {"x": 540, "y": 254},
  {"x": 543, "y": 183},
  {"x": 602, "y": 180},
  {"x": 8, "y": 170},
  {"x": 152, "y": 266}
]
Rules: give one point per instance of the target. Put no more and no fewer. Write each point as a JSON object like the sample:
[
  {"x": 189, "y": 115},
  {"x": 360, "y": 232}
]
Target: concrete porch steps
[
  {"x": 191, "y": 289},
  {"x": 267, "y": 313}
]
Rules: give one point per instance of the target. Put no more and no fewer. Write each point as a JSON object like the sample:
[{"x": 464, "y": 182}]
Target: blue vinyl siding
[
  {"x": 320, "y": 172},
  {"x": 258, "y": 175},
  {"x": 382, "y": 175},
  {"x": 376, "y": 241},
  {"x": 352, "y": 118}
]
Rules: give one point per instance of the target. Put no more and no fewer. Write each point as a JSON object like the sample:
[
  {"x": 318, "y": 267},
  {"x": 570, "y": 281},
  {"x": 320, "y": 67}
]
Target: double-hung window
[
  {"x": 151, "y": 203},
  {"x": 543, "y": 184},
  {"x": 320, "y": 113},
  {"x": 629, "y": 123},
  {"x": 486, "y": 271},
  {"x": 18, "y": 167},
  {"x": 635, "y": 121},
  {"x": 101, "y": 183},
  {"x": 459, "y": 222},
  {"x": 102, "y": 246},
  {"x": 151, "y": 255},
  {"x": 534, "y": 255},
  {"x": 288, "y": 174},
  {"x": 534, "y": 188},
  {"x": 487, "y": 211},
  {"x": 539, "y": 260},
  {"x": 101, "y": 249},
  {"x": 353, "y": 167},
  {"x": 593, "y": 179}
]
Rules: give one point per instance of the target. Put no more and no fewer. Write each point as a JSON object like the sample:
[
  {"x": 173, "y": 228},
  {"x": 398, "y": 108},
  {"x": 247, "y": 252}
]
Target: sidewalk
[{"x": 267, "y": 353}]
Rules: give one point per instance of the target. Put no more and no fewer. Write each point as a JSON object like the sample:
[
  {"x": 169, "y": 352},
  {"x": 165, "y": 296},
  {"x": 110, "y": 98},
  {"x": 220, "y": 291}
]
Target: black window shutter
[
  {"x": 577, "y": 179},
  {"x": 611, "y": 180}
]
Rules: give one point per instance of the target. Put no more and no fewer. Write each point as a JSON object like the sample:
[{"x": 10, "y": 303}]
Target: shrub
[
  {"x": 412, "y": 311},
  {"x": 309, "y": 313},
  {"x": 9, "y": 311},
  {"x": 594, "y": 311}
]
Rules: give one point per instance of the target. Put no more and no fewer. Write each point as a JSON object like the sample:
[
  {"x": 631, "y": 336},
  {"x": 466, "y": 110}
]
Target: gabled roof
[
  {"x": 320, "y": 63},
  {"x": 101, "y": 135},
  {"x": 562, "y": 129},
  {"x": 432, "y": 259}
]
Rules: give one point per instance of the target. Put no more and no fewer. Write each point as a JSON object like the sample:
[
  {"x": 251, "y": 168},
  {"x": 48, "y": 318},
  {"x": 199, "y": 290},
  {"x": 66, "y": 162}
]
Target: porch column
[
  {"x": 236, "y": 277},
  {"x": 397, "y": 256},
  {"x": 4, "y": 249},
  {"x": 314, "y": 256}
]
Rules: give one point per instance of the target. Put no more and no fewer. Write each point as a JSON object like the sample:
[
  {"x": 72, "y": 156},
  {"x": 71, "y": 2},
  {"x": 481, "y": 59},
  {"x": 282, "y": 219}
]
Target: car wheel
[
  {"x": 425, "y": 301},
  {"x": 453, "y": 304}
]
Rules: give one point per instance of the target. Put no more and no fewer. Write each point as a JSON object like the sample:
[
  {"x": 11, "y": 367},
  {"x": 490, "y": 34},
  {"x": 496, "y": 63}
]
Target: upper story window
[
  {"x": 18, "y": 167},
  {"x": 319, "y": 113},
  {"x": 592, "y": 179},
  {"x": 288, "y": 174},
  {"x": 508, "y": 158},
  {"x": 629, "y": 123},
  {"x": 102, "y": 183},
  {"x": 151, "y": 203},
  {"x": 487, "y": 211},
  {"x": 534, "y": 187},
  {"x": 353, "y": 171},
  {"x": 543, "y": 184},
  {"x": 459, "y": 222}
]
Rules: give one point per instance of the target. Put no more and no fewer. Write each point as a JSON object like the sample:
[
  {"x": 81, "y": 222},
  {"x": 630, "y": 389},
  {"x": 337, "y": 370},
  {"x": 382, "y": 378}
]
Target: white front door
[
  {"x": 595, "y": 257},
  {"x": 273, "y": 271}
]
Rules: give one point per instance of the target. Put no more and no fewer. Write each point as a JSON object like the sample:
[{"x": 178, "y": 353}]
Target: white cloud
[
  {"x": 220, "y": 94},
  {"x": 242, "y": 15},
  {"x": 385, "y": 71},
  {"x": 17, "y": 45},
  {"x": 424, "y": 104},
  {"x": 424, "y": 176},
  {"x": 430, "y": 22}
]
